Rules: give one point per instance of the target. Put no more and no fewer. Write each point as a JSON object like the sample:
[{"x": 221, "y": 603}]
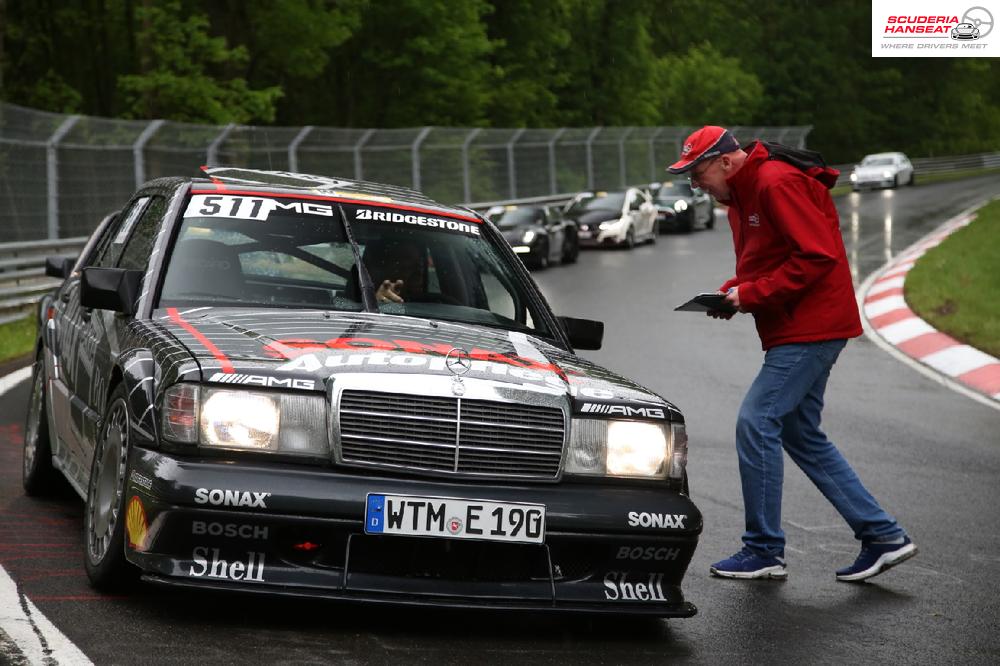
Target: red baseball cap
[{"x": 708, "y": 142}]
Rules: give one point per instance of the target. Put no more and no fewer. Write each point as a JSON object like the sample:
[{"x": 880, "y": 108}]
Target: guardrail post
[
  {"x": 358, "y": 167},
  {"x": 652, "y": 154},
  {"x": 590, "y": 157},
  {"x": 52, "y": 173},
  {"x": 293, "y": 147},
  {"x": 552, "y": 159},
  {"x": 511, "y": 170},
  {"x": 466, "y": 178},
  {"x": 138, "y": 148},
  {"x": 415, "y": 150},
  {"x": 211, "y": 157},
  {"x": 621, "y": 157}
]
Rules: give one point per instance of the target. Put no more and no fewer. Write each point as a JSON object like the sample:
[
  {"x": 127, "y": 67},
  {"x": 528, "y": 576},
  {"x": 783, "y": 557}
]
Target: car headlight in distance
[
  {"x": 887, "y": 174},
  {"x": 680, "y": 205},
  {"x": 630, "y": 449},
  {"x": 528, "y": 236},
  {"x": 854, "y": 177}
]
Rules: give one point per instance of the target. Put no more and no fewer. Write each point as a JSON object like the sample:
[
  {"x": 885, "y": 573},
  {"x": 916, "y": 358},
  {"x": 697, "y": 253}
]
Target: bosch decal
[
  {"x": 617, "y": 587},
  {"x": 207, "y": 562},
  {"x": 661, "y": 520},
  {"x": 231, "y": 530},
  {"x": 648, "y": 553},
  {"x": 371, "y": 215},
  {"x": 217, "y": 497}
]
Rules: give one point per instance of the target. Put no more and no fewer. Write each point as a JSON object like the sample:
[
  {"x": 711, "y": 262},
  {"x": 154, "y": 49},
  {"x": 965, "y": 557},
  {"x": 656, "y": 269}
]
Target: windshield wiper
[{"x": 364, "y": 279}]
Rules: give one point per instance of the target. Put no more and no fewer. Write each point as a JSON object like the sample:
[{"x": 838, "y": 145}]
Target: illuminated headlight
[
  {"x": 633, "y": 449},
  {"x": 285, "y": 423},
  {"x": 854, "y": 177},
  {"x": 887, "y": 174},
  {"x": 680, "y": 205},
  {"x": 528, "y": 237}
]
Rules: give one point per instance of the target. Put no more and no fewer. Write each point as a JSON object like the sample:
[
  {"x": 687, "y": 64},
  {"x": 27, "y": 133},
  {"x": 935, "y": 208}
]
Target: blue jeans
[{"x": 783, "y": 409}]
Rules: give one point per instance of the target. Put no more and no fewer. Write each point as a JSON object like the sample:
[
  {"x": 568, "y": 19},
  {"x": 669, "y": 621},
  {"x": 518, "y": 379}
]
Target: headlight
[
  {"x": 528, "y": 236},
  {"x": 633, "y": 449},
  {"x": 271, "y": 422},
  {"x": 854, "y": 177},
  {"x": 680, "y": 205},
  {"x": 887, "y": 174},
  {"x": 610, "y": 224}
]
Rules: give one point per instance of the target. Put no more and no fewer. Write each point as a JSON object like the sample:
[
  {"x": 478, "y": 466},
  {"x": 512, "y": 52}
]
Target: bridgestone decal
[{"x": 372, "y": 215}]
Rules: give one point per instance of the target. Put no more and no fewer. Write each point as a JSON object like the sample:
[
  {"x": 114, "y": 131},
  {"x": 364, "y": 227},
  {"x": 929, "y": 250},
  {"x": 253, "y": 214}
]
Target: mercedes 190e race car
[{"x": 266, "y": 381}]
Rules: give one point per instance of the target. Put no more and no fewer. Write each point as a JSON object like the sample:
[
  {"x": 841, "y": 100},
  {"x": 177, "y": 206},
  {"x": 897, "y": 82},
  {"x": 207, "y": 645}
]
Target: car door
[
  {"x": 647, "y": 213},
  {"x": 632, "y": 204}
]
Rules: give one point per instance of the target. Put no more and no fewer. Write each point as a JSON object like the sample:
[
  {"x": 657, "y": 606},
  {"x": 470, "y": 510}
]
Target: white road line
[
  {"x": 7, "y": 382},
  {"x": 33, "y": 634}
]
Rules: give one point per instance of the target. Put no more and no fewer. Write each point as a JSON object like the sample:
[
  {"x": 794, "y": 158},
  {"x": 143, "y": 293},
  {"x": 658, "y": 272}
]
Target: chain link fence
[{"x": 60, "y": 174}]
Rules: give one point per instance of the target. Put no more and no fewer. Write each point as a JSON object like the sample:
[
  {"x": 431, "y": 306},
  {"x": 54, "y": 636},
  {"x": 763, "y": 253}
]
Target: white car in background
[
  {"x": 624, "y": 218},
  {"x": 882, "y": 170}
]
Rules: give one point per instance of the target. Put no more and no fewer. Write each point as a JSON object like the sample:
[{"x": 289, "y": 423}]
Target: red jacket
[{"x": 791, "y": 266}]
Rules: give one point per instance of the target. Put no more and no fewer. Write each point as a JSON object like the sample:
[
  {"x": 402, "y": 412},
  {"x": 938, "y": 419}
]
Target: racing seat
[{"x": 202, "y": 267}]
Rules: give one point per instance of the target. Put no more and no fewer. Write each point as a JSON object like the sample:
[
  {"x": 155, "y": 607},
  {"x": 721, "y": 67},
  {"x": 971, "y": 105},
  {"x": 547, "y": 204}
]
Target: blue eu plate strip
[{"x": 375, "y": 516}]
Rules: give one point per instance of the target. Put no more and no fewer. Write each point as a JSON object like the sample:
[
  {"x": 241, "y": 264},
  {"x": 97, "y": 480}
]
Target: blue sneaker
[
  {"x": 748, "y": 564},
  {"x": 876, "y": 558}
]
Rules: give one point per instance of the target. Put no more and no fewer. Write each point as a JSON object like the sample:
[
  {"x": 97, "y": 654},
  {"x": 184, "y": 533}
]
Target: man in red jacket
[{"x": 792, "y": 275}]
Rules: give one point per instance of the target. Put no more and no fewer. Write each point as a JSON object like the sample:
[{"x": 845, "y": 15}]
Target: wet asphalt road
[{"x": 931, "y": 456}]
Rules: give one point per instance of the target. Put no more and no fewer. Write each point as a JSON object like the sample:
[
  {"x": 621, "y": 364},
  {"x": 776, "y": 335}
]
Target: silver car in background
[{"x": 882, "y": 170}]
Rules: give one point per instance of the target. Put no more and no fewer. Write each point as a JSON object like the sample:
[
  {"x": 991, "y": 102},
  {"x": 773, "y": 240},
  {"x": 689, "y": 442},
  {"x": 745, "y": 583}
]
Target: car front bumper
[
  {"x": 594, "y": 236},
  {"x": 306, "y": 537}
]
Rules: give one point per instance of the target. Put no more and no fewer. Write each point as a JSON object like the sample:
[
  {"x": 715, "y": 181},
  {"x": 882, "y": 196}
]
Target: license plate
[{"x": 455, "y": 518}]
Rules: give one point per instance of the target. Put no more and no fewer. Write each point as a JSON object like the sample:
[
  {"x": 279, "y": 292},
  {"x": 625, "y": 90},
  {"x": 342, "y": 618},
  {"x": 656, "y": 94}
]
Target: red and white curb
[{"x": 891, "y": 324}]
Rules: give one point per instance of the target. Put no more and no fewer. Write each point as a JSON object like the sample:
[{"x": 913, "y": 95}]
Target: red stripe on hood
[{"x": 175, "y": 317}]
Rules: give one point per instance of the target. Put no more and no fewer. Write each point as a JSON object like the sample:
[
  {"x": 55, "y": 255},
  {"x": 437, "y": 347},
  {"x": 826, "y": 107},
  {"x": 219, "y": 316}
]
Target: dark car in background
[
  {"x": 679, "y": 207},
  {"x": 538, "y": 234},
  {"x": 223, "y": 381}
]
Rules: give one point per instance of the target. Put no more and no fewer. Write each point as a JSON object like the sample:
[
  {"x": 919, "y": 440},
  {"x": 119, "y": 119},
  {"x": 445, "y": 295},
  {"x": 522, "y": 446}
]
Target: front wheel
[
  {"x": 571, "y": 250},
  {"x": 629, "y": 239},
  {"x": 37, "y": 473},
  {"x": 104, "y": 514}
]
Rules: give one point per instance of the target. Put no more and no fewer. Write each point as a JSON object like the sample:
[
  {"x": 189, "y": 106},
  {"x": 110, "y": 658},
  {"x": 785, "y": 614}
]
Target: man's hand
[
  {"x": 388, "y": 292},
  {"x": 733, "y": 298}
]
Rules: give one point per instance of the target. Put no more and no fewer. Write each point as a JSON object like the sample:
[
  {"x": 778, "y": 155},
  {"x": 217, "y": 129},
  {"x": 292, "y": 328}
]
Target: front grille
[{"x": 451, "y": 435}]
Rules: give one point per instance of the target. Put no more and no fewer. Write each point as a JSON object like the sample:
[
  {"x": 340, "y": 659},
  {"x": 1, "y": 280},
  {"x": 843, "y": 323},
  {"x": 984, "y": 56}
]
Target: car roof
[
  {"x": 884, "y": 155},
  {"x": 239, "y": 180}
]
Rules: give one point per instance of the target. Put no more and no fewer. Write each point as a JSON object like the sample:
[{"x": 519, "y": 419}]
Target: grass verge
[
  {"x": 17, "y": 338},
  {"x": 956, "y": 285}
]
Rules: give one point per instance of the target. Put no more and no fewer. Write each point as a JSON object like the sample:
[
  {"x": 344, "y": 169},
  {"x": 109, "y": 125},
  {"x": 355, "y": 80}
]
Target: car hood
[
  {"x": 306, "y": 349},
  {"x": 593, "y": 216},
  {"x": 513, "y": 235},
  {"x": 875, "y": 171}
]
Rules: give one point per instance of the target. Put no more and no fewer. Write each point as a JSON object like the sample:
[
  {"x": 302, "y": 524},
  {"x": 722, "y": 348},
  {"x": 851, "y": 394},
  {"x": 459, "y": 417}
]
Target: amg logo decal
[
  {"x": 263, "y": 380},
  {"x": 370, "y": 215},
  {"x": 622, "y": 410},
  {"x": 647, "y": 553},
  {"x": 662, "y": 520},
  {"x": 217, "y": 497},
  {"x": 618, "y": 588},
  {"x": 206, "y": 562}
]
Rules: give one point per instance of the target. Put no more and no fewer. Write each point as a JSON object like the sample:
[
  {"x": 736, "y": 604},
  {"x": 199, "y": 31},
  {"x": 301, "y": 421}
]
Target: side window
[
  {"x": 135, "y": 253},
  {"x": 110, "y": 248}
]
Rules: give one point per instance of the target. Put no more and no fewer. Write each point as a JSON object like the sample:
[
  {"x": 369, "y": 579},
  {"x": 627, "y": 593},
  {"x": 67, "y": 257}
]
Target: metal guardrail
[{"x": 22, "y": 273}]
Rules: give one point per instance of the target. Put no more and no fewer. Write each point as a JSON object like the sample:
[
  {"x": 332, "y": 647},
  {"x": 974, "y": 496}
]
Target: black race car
[
  {"x": 679, "y": 207},
  {"x": 273, "y": 382},
  {"x": 539, "y": 234}
]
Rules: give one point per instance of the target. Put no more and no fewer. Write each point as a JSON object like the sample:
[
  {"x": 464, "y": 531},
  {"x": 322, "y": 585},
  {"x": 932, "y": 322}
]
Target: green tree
[
  {"x": 703, "y": 87},
  {"x": 186, "y": 74}
]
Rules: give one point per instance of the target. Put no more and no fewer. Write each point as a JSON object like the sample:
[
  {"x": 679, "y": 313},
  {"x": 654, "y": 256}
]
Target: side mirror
[
  {"x": 583, "y": 333},
  {"x": 110, "y": 289},
  {"x": 59, "y": 267}
]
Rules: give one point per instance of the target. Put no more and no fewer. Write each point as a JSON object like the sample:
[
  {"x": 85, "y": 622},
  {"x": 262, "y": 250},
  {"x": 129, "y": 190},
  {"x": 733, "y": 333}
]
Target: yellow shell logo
[{"x": 135, "y": 524}]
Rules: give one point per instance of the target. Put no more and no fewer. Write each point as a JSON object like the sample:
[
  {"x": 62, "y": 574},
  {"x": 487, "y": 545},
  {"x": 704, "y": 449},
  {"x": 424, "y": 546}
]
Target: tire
[
  {"x": 710, "y": 223},
  {"x": 629, "y": 239},
  {"x": 104, "y": 513},
  {"x": 38, "y": 475},
  {"x": 895, "y": 181},
  {"x": 542, "y": 261},
  {"x": 571, "y": 251}
]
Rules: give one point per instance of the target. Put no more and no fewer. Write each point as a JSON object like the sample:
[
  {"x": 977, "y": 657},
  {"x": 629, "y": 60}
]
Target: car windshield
[
  {"x": 878, "y": 161},
  {"x": 261, "y": 251},
  {"x": 508, "y": 219},
  {"x": 600, "y": 201},
  {"x": 674, "y": 190}
]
